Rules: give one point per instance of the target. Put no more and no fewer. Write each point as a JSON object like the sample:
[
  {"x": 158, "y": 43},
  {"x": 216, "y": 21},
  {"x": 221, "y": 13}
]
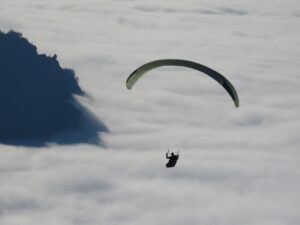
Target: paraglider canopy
[{"x": 139, "y": 72}]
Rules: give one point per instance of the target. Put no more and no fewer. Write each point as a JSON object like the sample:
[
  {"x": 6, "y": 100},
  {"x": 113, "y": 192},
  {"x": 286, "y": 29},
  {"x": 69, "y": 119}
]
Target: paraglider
[
  {"x": 139, "y": 72},
  {"x": 172, "y": 159}
]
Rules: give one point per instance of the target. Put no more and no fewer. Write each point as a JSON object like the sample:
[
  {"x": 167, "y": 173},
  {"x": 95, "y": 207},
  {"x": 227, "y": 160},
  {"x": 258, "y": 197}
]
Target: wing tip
[{"x": 237, "y": 104}]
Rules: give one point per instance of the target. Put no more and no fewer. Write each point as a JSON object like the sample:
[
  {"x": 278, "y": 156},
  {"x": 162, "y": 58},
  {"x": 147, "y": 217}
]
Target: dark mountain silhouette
[{"x": 37, "y": 103}]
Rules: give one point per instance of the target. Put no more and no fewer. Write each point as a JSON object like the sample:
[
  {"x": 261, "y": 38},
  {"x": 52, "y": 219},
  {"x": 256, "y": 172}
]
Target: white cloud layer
[{"x": 237, "y": 166}]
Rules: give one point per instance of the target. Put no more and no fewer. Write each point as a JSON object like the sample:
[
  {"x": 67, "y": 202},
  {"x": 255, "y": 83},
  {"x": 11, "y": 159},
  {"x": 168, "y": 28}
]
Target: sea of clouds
[{"x": 237, "y": 165}]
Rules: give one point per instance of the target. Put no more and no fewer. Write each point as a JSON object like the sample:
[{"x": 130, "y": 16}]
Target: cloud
[{"x": 237, "y": 166}]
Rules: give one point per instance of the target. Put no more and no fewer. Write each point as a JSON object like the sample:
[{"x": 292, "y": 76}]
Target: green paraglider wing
[{"x": 135, "y": 75}]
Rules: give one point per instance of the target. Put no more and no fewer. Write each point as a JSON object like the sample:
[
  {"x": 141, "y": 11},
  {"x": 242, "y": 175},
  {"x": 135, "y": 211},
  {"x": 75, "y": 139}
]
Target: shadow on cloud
[{"x": 38, "y": 106}]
